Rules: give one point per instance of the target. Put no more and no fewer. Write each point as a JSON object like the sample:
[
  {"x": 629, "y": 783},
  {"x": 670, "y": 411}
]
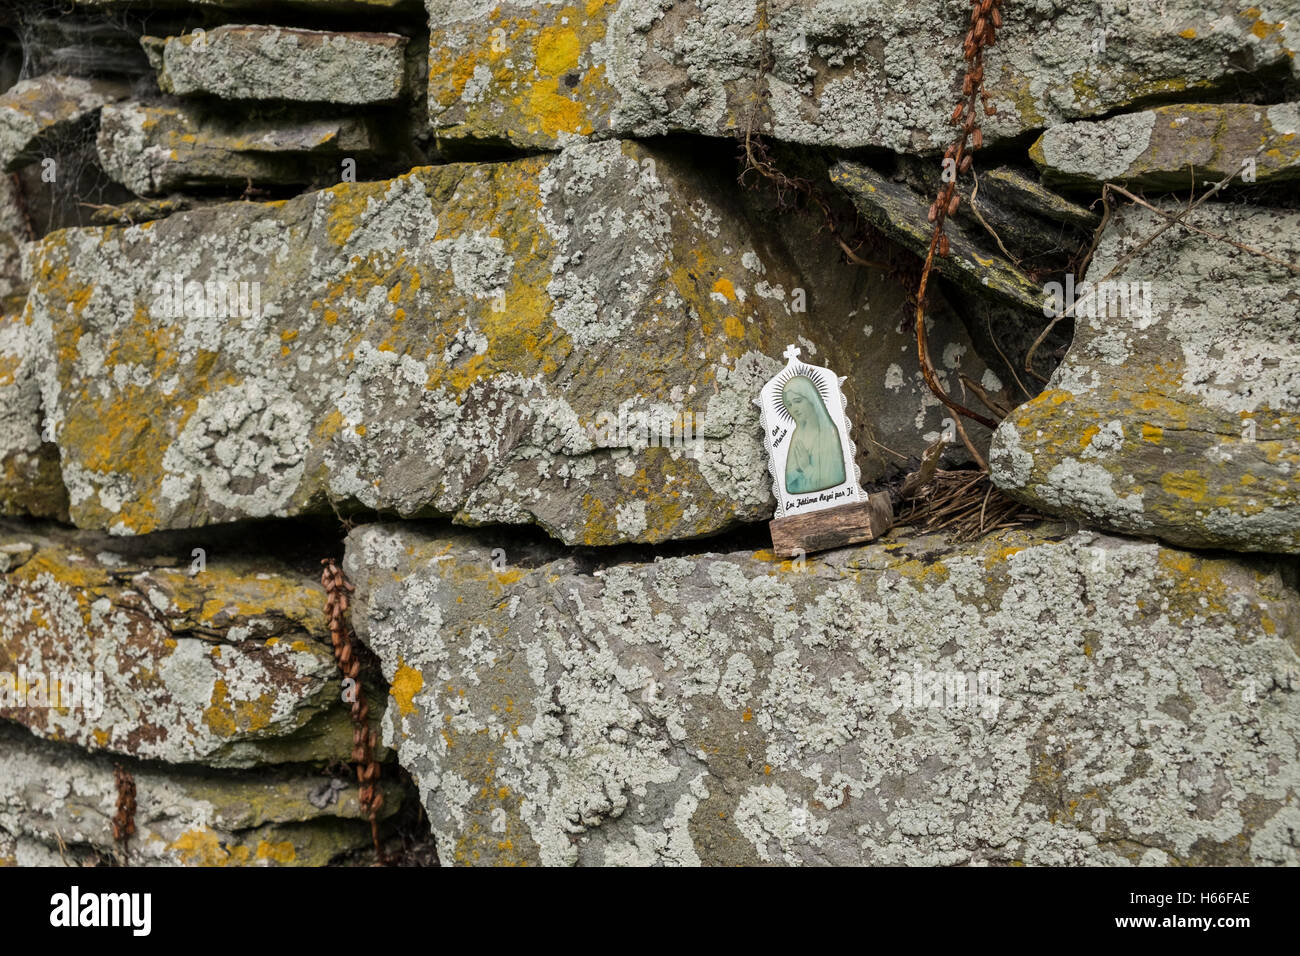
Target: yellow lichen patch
[
  {"x": 1188, "y": 34},
  {"x": 1002, "y": 555},
  {"x": 227, "y": 718},
  {"x": 8, "y": 368},
  {"x": 1196, "y": 581},
  {"x": 1188, "y": 485},
  {"x": 1017, "y": 88},
  {"x": 923, "y": 574},
  {"x": 329, "y": 425},
  {"x": 282, "y": 852},
  {"x": 551, "y": 112},
  {"x": 407, "y": 682},
  {"x": 229, "y": 593},
  {"x": 1152, "y": 433},
  {"x": 724, "y": 288},
  {"x": 346, "y": 204},
  {"x": 202, "y": 847},
  {"x": 557, "y": 49},
  {"x": 561, "y": 88},
  {"x": 1086, "y": 438}
]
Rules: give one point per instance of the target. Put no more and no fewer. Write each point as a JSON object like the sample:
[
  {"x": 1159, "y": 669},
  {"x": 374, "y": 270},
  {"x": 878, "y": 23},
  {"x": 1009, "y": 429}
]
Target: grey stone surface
[
  {"x": 869, "y": 73},
  {"x": 1180, "y": 417},
  {"x": 902, "y": 214},
  {"x": 30, "y": 479},
  {"x": 36, "y": 111},
  {"x": 1045, "y": 697},
  {"x": 227, "y": 664},
  {"x": 13, "y": 236},
  {"x": 156, "y": 149},
  {"x": 460, "y": 341},
  {"x": 259, "y": 62},
  {"x": 57, "y": 805},
  {"x": 1173, "y": 146}
]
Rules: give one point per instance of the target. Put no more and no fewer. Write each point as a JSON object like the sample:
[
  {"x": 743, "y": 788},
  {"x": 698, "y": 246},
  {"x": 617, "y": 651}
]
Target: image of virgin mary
[{"x": 815, "y": 460}]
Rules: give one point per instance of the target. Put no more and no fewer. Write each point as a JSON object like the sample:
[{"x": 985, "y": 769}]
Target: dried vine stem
[
  {"x": 758, "y": 159},
  {"x": 985, "y": 19},
  {"x": 337, "y": 589},
  {"x": 124, "y": 819},
  {"x": 1217, "y": 236}
]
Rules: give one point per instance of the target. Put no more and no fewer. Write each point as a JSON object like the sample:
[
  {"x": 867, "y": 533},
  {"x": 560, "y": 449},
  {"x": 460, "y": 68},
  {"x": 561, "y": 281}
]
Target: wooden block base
[{"x": 832, "y": 527}]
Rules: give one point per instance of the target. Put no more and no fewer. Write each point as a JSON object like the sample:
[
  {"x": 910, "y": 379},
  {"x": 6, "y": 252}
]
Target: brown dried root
[
  {"x": 337, "y": 589},
  {"x": 758, "y": 159},
  {"x": 124, "y": 819}
]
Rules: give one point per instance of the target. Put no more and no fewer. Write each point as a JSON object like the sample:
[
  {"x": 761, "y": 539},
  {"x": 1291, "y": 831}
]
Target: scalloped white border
[{"x": 857, "y": 494}]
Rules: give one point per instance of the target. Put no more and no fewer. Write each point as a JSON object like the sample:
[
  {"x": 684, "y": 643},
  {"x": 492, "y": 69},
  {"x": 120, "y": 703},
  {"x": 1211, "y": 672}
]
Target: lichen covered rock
[
  {"x": 570, "y": 341},
  {"x": 902, "y": 214},
  {"x": 257, "y": 62},
  {"x": 34, "y": 112},
  {"x": 1176, "y": 412},
  {"x": 57, "y": 806},
  {"x": 173, "y": 656},
  {"x": 30, "y": 480},
  {"x": 1155, "y": 148},
  {"x": 13, "y": 236},
  {"x": 533, "y": 72},
  {"x": 155, "y": 149},
  {"x": 1047, "y": 696}
]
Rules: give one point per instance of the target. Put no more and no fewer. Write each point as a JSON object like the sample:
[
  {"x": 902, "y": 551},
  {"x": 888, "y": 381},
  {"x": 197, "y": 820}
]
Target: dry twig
[{"x": 964, "y": 503}]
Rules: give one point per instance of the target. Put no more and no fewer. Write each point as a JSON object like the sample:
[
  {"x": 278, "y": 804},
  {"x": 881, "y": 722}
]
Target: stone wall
[{"x": 476, "y": 298}]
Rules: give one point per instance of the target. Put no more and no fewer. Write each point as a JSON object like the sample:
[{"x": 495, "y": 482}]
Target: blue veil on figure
[{"x": 815, "y": 460}]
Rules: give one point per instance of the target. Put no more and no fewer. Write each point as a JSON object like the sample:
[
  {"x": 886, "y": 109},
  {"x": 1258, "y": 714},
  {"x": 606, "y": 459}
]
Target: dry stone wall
[{"x": 475, "y": 297}]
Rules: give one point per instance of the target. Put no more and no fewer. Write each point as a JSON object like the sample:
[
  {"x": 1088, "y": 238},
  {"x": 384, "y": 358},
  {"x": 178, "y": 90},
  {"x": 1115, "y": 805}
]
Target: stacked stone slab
[
  {"x": 154, "y": 150},
  {"x": 569, "y": 341},
  {"x": 532, "y": 73},
  {"x": 1175, "y": 146},
  {"x": 1177, "y": 410},
  {"x": 555, "y": 343},
  {"x": 36, "y": 112},
  {"x": 1041, "y": 697},
  {"x": 157, "y": 651},
  {"x": 30, "y": 481},
  {"x": 57, "y": 806}
]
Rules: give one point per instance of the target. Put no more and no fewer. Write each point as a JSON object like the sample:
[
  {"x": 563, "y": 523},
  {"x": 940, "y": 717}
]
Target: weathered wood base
[{"x": 832, "y": 527}]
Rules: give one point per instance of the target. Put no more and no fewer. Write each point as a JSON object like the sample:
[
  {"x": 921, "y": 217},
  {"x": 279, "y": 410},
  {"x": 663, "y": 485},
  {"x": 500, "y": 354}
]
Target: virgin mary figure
[{"x": 815, "y": 460}]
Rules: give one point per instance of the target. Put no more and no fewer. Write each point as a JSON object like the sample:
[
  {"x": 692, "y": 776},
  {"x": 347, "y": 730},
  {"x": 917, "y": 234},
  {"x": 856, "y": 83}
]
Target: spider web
[{"x": 47, "y": 36}]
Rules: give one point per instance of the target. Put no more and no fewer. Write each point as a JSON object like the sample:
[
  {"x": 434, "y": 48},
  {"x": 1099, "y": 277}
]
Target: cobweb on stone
[{"x": 43, "y": 36}]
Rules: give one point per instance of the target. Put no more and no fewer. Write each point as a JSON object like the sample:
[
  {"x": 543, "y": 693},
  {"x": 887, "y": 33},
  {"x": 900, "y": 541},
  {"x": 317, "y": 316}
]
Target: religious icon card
[{"x": 806, "y": 431}]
